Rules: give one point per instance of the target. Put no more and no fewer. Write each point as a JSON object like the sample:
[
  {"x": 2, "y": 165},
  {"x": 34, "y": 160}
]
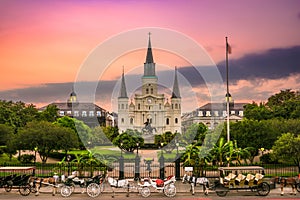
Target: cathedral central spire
[
  {"x": 149, "y": 65},
  {"x": 149, "y": 57}
]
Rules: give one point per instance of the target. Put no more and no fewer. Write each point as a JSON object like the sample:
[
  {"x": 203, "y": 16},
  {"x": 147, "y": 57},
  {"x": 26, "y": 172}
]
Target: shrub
[{"x": 26, "y": 158}]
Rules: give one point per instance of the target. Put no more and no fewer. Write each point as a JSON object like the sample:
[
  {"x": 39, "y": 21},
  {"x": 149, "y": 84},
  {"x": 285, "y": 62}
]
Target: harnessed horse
[
  {"x": 193, "y": 180},
  {"x": 287, "y": 181},
  {"x": 36, "y": 183}
]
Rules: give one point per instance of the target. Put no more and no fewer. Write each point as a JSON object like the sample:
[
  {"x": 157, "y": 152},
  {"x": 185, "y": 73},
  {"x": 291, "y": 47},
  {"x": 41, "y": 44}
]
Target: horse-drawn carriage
[
  {"x": 93, "y": 186},
  {"x": 166, "y": 186},
  {"x": 241, "y": 178},
  {"x": 16, "y": 178}
]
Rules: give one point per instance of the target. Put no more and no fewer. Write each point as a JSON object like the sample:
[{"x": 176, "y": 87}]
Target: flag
[{"x": 228, "y": 48}]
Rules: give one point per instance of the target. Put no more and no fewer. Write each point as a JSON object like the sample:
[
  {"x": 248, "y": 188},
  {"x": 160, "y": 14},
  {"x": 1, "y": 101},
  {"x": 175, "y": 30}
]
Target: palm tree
[
  {"x": 221, "y": 151},
  {"x": 240, "y": 154}
]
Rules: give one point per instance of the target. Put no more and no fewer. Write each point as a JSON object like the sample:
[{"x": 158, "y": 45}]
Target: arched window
[
  {"x": 167, "y": 121},
  {"x": 176, "y": 120},
  {"x": 122, "y": 120},
  {"x": 139, "y": 106},
  {"x": 151, "y": 90},
  {"x": 131, "y": 120},
  {"x": 147, "y": 91}
]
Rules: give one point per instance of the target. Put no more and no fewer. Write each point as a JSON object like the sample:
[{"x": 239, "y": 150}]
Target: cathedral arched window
[
  {"x": 176, "y": 106},
  {"x": 151, "y": 90},
  {"x": 147, "y": 91},
  {"x": 131, "y": 120},
  {"x": 139, "y": 106},
  {"x": 160, "y": 106},
  {"x": 176, "y": 120},
  {"x": 122, "y": 120},
  {"x": 167, "y": 121}
]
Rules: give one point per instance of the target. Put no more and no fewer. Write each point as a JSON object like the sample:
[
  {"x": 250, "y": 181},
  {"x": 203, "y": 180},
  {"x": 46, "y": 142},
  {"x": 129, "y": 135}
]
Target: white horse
[{"x": 193, "y": 180}]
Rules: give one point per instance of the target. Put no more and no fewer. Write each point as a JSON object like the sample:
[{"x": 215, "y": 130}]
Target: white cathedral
[{"x": 150, "y": 112}]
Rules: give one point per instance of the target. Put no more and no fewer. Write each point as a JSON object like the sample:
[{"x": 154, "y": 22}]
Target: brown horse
[
  {"x": 36, "y": 183},
  {"x": 286, "y": 181}
]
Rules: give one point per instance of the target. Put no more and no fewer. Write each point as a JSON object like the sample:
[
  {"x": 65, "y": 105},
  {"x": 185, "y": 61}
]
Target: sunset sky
[{"x": 43, "y": 44}]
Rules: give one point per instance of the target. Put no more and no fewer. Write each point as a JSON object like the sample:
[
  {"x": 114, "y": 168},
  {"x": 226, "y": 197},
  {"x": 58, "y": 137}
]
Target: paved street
[{"x": 182, "y": 194}]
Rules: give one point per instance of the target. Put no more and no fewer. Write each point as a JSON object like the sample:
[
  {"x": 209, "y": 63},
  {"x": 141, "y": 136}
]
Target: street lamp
[
  {"x": 68, "y": 160},
  {"x": 228, "y": 159},
  {"x": 137, "y": 148},
  {"x": 121, "y": 163},
  {"x": 35, "y": 150},
  {"x": 121, "y": 144},
  {"x": 137, "y": 163},
  {"x": 177, "y": 163},
  {"x": 162, "y": 163}
]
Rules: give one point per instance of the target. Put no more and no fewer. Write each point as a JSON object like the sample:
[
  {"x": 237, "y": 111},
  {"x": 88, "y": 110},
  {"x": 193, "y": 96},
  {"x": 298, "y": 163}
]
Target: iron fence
[{"x": 153, "y": 170}]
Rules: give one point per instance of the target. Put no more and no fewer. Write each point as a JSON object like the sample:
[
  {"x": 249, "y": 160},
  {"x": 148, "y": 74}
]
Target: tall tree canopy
[
  {"x": 46, "y": 137},
  {"x": 283, "y": 105},
  {"x": 17, "y": 114},
  {"x": 287, "y": 148}
]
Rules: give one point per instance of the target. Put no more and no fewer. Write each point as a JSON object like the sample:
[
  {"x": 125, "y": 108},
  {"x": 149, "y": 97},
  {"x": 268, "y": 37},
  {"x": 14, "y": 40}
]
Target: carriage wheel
[
  {"x": 170, "y": 190},
  {"x": 8, "y": 188},
  {"x": 298, "y": 187},
  {"x": 263, "y": 189},
  {"x": 25, "y": 190},
  {"x": 66, "y": 191},
  {"x": 221, "y": 193},
  {"x": 93, "y": 190},
  {"x": 145, "y": 192}
]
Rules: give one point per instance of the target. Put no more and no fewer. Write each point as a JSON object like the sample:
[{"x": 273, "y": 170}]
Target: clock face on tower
[{"x": 149, "y": 100}]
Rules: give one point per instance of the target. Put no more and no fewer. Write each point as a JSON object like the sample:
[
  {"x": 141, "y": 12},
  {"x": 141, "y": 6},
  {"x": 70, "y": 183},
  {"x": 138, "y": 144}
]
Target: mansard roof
[
  {"x": 221, "y": 106},
  {"x": 75, "y": 106}
]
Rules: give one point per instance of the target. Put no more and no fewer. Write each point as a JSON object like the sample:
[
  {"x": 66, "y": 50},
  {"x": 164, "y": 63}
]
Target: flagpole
[{"x": 227, "y": 93}]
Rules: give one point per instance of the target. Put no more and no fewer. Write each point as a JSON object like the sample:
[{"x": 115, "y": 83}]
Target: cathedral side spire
[
  {"x": 176, "y": 92},
  {"x": 123, "y": 92}
]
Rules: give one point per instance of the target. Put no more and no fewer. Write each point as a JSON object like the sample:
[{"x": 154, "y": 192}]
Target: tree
[
  {"x": 6, "y": 132},
  {"x": 129, "y": 140},
  {"x": 46, "y": 137},
  {"x": 81, "y": 129},
  {"x": 168, "y": 139},
  {"x": 196, "y": 132},
  {"x": 17, "y": 114},
  {"x": 98, "y": 137},
  {"x": 287, "y": 149},
  {"x": 111, "y": 132},
  {"x": 283, "y": 105},
  {"x": 257, "y": 112},
  {"x": 220, "y": 152},
  {"x": 50, "y": 114}
]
